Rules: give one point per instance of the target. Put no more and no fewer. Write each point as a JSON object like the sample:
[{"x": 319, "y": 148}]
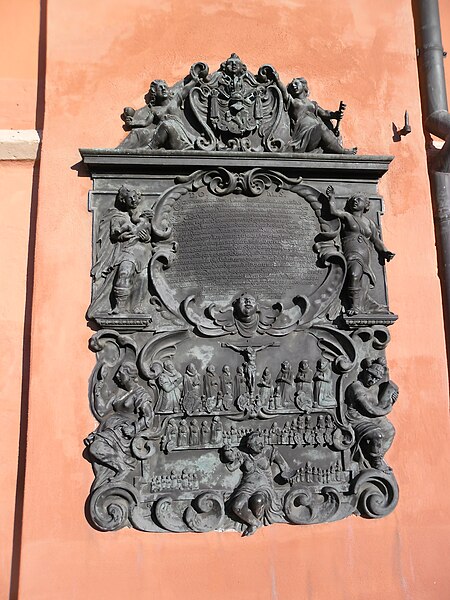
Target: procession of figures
[
  {"x": 303, "y": 431},
  {"x": 251, "y": 405},
  {"x": 212, "y": 392}
]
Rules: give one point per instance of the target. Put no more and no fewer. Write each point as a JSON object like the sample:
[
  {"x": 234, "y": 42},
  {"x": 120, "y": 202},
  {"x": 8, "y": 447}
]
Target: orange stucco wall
[
  {"x": 16, "y": 187},
  {"x": 100, "y": 57},
  {"x": 19, "y": 32}
]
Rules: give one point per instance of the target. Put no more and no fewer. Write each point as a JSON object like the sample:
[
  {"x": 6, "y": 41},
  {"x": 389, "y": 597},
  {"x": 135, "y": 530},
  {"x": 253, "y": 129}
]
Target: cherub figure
[
  {"x": 255, "y": 499},
  {"x": 245, "y": 316}
]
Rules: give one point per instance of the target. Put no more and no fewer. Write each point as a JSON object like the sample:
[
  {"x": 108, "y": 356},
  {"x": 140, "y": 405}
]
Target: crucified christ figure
[{"x": 249, "y": 354}]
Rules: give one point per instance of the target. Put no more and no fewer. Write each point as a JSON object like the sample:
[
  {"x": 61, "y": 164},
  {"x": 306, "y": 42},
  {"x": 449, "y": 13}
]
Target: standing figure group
[
  {"x": 306, "y": 390},
  {"x": 212, "y": 393},
  {"x": 194, "y": 392}
]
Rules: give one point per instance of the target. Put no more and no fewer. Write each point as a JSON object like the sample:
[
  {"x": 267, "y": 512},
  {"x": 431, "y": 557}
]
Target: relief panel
[{"x": 240, "y": 313}]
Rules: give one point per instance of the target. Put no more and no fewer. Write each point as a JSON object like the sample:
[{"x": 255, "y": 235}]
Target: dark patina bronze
[{"x": 240, "y": 307}]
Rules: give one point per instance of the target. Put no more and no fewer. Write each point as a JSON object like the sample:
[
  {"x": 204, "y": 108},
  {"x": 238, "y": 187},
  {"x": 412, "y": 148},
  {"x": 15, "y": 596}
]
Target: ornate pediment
[{"x": 235, "y": 110}]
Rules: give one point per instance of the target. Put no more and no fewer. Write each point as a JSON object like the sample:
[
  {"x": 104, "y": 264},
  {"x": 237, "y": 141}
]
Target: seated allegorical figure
[
  {"x": 134, "y": 399},
  {"x": 311, "y": 129},
  {"x": 255, "y": 499},
  {"x": 110, "y": 445},
  {"x": 161, "y": 123},
  {"x": 368, "y": 400},
  {"x": 109, "y": 449},
  {"x": 101, "y": 388}
]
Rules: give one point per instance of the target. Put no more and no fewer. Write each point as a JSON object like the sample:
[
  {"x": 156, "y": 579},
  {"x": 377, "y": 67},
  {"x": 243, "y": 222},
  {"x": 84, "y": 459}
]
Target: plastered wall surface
[
  {"x": 19, "y": 32},
  {"x": 16, "y": 186},
  {"x": 102, "y": 56}
]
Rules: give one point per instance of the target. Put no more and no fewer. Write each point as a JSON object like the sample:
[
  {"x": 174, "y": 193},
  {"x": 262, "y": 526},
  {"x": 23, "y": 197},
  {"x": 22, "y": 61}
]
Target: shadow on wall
[{"x": 26, "y": 346}]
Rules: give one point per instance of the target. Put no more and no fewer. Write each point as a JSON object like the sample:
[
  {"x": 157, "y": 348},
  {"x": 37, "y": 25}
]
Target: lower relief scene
[{"x": 231, "y": 433}]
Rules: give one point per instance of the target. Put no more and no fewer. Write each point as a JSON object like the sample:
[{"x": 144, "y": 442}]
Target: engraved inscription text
[{"x": 229, "y": 244}]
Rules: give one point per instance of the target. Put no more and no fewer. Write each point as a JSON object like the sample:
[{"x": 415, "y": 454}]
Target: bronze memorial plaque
[{"x": 240, "y": 312}]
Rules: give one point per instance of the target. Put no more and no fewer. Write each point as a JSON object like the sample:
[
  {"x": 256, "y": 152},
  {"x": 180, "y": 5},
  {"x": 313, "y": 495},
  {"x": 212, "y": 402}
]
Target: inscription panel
[{"x": 234, "y": 243}]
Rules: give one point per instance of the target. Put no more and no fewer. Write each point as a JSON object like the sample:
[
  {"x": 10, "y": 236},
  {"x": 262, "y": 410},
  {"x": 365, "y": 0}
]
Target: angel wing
[
  {"x": 268, "y": 315},
  {"x": 212, "y": 323}
]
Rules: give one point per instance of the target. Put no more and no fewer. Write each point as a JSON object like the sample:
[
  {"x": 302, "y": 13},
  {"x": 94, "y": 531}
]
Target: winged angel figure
[{"x": 245, "y": 316}]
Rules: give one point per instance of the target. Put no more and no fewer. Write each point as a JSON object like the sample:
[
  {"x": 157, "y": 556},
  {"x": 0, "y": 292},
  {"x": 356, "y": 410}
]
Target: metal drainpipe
[{"x": 436, "y": 118}]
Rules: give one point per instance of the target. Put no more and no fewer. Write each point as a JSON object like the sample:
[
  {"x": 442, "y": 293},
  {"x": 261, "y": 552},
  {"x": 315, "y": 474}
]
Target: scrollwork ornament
[
  {"x": 378, "y": 336},
  {"x": 205, "y": 513},
  {"x": 98, "y": 341},
  {"x": 376, "y": 493},
  {"x": 199, "y": 71},
  {"x": 221, "y": 182},
  {"x": 112, "y": 505},
  {"x": 166, "y": 517},
  {"x": 302, "y": 506},
  {"x": 142, "y": 447},
  {"x": 343, "y": 437}
]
